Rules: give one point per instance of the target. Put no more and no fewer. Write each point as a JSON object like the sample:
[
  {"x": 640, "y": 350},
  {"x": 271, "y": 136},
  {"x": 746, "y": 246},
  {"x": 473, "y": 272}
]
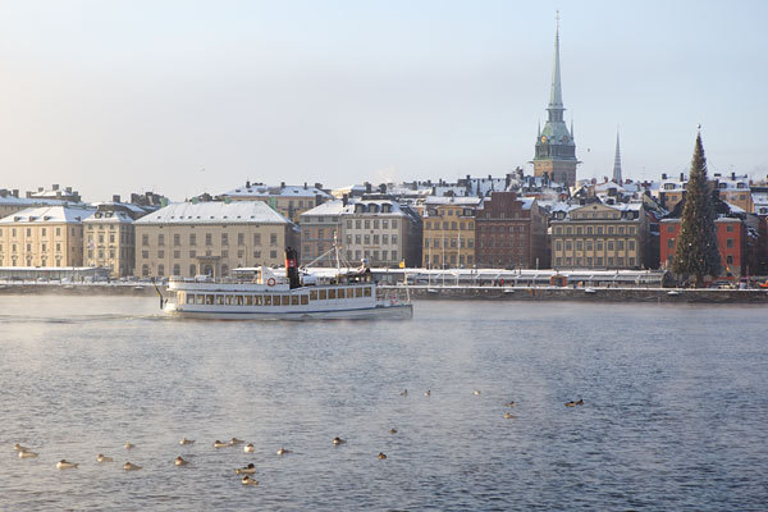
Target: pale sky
[{"x": 181, "y": 97}]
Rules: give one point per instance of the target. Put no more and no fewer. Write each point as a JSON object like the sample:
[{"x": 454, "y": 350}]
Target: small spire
[
  {"x": 556, "y": 95},
  {"x": 572, "y": 135},
  {"x": 617, "y": 161},
  {"x": 538, "y": 131}
]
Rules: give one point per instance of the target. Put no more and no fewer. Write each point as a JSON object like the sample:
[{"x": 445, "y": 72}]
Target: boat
[{"x": 263, "y": 293}]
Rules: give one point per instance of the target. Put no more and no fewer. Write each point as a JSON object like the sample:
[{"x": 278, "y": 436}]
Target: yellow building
[
  {"x": 600, "y": 236},
  {"x": 449, "y": 232},
  {"x": 110, "y": 242},
  {"x": 50, "y": 236},
  {"x": 211, "y": 238},
  {"x": 290, "y": 201}
]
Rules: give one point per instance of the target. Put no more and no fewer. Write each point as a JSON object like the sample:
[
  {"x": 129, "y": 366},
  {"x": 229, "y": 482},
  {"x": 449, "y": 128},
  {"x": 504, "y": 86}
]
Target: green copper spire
[
  {"x": 556, "y": 94},
  {"x": 617, "y": 162}
]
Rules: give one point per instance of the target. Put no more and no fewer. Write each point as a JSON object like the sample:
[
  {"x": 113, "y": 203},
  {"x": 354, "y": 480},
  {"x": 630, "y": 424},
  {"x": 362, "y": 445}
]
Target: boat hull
[{"x": 380, "y": 312}]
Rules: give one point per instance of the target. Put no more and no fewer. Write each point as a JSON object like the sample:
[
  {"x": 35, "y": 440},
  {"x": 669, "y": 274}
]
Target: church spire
[
  {"x": 556, "y": 93},
  {"x": 617, "y": 162}
]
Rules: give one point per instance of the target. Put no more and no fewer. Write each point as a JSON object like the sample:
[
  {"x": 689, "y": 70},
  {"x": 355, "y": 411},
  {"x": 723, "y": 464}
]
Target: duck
[
  {"x": 283, "y": 451},
  {"x": 219, "y": 444},
  {"x": 404, "y": 392},
  {"x": 580, "y": 401},
  {"x": 185, "y": 441},
  {"x": 63, "y": 464},
  {"x": 247, "y": 470},
  {"x": 509, "y": 416},
  {"x": 129, "y": 446},
  {"x": 128, "y": 466},
  {"x": 393, "y": 431},
  {"x": 382, "y": 456},
  {"x": 180, "y": 461},
  {"x": 248, "y": 448},
  {"x": 570, "y": 404},
  {"x": 26, "y": 454},
  {"x": 477, "y": 392},
  {"x": 102, "y": 458},
  {"x": 510, "y": 404},
  {"x": 235, "y": 441},
  {"x": 428, "y": 392},
  {"x": 249, "y": 481},
  {"x": 17, "y": 447},
  {"x": 337, "y": 441}
]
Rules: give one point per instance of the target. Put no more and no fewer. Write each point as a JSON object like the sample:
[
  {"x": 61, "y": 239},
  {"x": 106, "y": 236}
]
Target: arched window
[
  {"x": 145, "y": 270},
  {"x": 176, "y": 269},
  {"x": 224, "y": 270},
  {"x": 208, "y": 270},
  {"x": 161, "y": 270}
]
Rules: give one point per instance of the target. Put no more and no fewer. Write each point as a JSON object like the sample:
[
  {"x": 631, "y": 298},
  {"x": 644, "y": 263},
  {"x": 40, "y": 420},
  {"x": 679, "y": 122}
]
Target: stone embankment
[{"x": 666, "y": 295}]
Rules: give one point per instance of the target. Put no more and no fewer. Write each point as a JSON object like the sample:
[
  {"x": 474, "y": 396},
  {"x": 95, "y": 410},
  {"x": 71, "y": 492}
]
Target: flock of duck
[{"x": 26, "y": 453}]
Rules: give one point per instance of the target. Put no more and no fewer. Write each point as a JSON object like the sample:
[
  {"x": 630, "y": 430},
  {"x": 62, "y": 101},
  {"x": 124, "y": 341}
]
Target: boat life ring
[{"x": 271, "y": 281}]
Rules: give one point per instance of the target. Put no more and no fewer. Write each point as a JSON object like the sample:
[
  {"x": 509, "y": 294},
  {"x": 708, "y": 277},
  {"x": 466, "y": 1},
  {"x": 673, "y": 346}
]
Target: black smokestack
[{"x": 291, "y": 267}]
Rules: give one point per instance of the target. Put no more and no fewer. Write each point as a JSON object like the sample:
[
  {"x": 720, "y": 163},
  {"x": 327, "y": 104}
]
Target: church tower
[
  {"x": 617, "y": 178},
  {"x": 555, "y": 149}
]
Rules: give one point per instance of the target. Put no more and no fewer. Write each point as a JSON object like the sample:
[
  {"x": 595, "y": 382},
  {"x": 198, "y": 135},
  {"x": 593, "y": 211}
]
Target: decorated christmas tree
[{"x": 697, "y": 254}]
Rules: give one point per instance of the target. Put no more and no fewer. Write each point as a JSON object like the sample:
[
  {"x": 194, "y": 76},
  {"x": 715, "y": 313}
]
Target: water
[{"x": 675, "y": 414}]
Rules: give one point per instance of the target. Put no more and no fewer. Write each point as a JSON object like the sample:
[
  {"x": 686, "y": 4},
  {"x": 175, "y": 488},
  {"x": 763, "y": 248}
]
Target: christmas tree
[{"x": 697, "y": 253}]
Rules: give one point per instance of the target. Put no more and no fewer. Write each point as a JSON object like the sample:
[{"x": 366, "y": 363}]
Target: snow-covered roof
[
  {"x": 109, "y": 217},
  {"x": 259, "y": 190},
  {"x": 70, "y": 214},
  {"x": 214, "y": 212},
  {"x": 457, "y": 201},
  {"x": 365, "y": 205},
  {"x": 11, "y": 200},
  {"x": 139, "y": 210},
  {"x": 335, "y": 207}
]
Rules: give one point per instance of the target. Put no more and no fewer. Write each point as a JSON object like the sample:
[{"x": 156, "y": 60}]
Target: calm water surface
[{"x": 675, "y": 414}]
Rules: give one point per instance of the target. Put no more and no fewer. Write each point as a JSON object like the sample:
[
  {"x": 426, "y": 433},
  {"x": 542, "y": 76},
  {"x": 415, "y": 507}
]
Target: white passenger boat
[{"x": 263, "y": 294}]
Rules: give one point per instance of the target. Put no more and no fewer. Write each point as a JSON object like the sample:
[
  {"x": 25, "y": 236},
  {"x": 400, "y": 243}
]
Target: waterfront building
[
  {"x": 382, "y": 230},
  {"x": 320, "y": 229},
  {"x": 211, "y": 238},
  {"x": 449, "y": 232},
  {"x": 737, "y": 237},
  {"x": 10, "y": 202},
  {"x": 110, "y": 237},
  {"x": 602, "y": 236},
  {"x": 46, "y": 236},
  {"x": 555, "y": 155},
  {"x": 510, "y": 232},
  {"x": 55, "y": 193},
  {"x": 734, "y": 189},
  {"x": 290, "y": 201}
]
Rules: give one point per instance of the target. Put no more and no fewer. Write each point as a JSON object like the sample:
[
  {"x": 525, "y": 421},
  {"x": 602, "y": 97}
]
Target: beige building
[
  {"x": 290, "y": 201},
  {"x": 449, "y": 232},
  {"x": 110, "y": 242},
  {"x": 320, "y": 229},
  {"x": 600, "y": 236},
  {"x": 50, "y": 236},
  {"x": 211, "y": 238}
]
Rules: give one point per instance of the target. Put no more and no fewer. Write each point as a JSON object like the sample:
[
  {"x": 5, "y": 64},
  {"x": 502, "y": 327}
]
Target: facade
[
  {"x": 601, "y": 236},
  {"x": 320, "y": 229},
  {"x": 555, "y": 149},
  {"x": 211, "y": 238},
  {"x": 449, "y": 232},
  {"x": 382, "y": 230},
  {"x": 290, "y": 201},
  {"x": 110, "y": 238},
  {"x": 49, "y": 236},
  {"x": 734, "y": 189},
  {"x": 510, "y": 232}
]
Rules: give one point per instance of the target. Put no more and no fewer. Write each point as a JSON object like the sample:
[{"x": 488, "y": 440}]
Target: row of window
[
  {"x": 599, "y": 230},
  {"x": 598, "y": 261},
  {"x": 435, "y": 224},
  {"x": 373, "y": 256},
  {"x": 619, "y": 245},
  {"x": 43, "y": 247},
  {"x": 209, "y": 239},
  {"x": 436, "y": 259},
  {"x": 193, "y": 254},
  {"x": 449, "y": 242},
  {"x": 366, "y": 224},
  {"x": 729, "y": 243},
  {"x": 377, "y": 239},
  {"x": 273, "y": 299},
  {"x": 43, "y": 231}
]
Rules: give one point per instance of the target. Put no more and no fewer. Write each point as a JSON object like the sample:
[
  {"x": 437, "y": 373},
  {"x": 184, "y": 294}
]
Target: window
[
  {"x": 670, "y": 228},
  {"x": 160, "y": 254},
  {"x": 273, "y": 254},
  {"x": 160, "y": 239},
  {"x": 729, "y": 243},
  {"x": 161, "y": 270},
  {"x": 208, "y": 239},
  {"x": 176, "y": 240},
  {"x": 394, "y": 224},
  {"x": 145, "y": 239},
  {"x": 729, "y": 228},
  {"x": 224, "y": 239},
  {"x": 729, "y": 259},
  {"x": 631, "y": 246},
  {"x": 257, "y": 239},
  {"x": 193, "y": 239},
  {"x": 670, "y": 243},
  {"x": 177, "y": 269},
  {"x": 273, "y": 239}
]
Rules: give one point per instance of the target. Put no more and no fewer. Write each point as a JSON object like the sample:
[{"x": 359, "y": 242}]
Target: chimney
[
  {"x": 682, "y": 176},
  {"x": 663, "y": 175},
  {"x": 247, "y": 183},
  {"x": 383, "y": 188},
  {"x": 733, "y": 176},
  {"x": 40, "y": 189},
  {"x": 305, "y": 185},
  {"x": 3, "y": 193},
  {"x": 116, "y": 198},
  {"x": 367, "y": 187},
  {"x": 15, "y": 192},
  {"x": 68, "y": 190},
  {"x": 282, "y": 185},
  {"x": 319, "y": 186},
  {"x": 345, "y": 199},
  {"x": 54, "y": 187}
]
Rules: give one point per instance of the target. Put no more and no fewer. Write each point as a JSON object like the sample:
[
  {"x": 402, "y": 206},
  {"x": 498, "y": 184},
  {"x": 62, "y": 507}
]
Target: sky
[{"x": 182, "y": 97}]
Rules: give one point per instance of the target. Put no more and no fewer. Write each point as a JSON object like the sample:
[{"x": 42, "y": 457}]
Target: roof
[
  {"x": 457, "y": 201},
  {"x": 214, "y": 212},
  {"x": 260, "y": 190},
  {"x": 327, "y": 208},
  {"x": 109, "y": 217},
  {"x": 71, "y": 214}
]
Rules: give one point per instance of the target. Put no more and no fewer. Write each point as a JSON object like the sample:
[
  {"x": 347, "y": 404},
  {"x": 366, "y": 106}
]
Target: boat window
[
  {"x": 219, "y": 300},
  {"x": 358, "y": 292},
  {"x": 239, "y": 300},
  {"x": 200, "y": 299},
  {"x": 209, "y": 300},
  {"x": 341, "y": 294},
  {"x": 367, "y": 292},
  {"x": 190, "y": 299},
  {"x": 228, "y": 300},
  {"x": 331, "y": 294},
  {"x": 294, "y": 300},
  {"x": 267, "y": 300},
  {"x": 257, "y": 300},
  {"x": 313, "y": 294},
  {"x": 304, "y": 300},
  {"x": 249, "y": 300},
  {"x": 286, "y": 300},
  {"x": 322, "y": 294}
]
